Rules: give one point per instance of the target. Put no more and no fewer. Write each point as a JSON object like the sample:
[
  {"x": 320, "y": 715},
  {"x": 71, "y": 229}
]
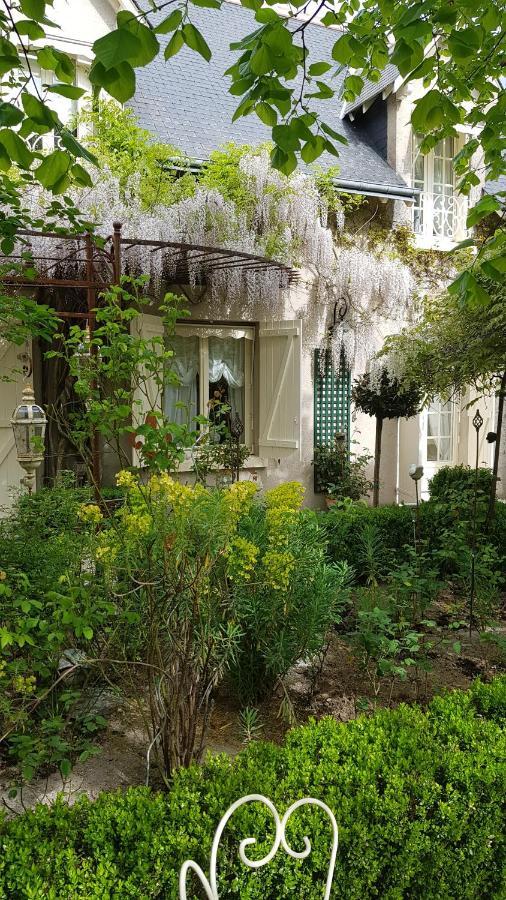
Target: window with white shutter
[{"x": 279, "y": 375}]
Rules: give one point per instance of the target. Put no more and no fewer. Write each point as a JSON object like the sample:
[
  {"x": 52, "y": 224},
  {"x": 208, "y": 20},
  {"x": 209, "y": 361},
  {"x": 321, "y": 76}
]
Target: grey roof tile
[{"x": 185, "y": 101}]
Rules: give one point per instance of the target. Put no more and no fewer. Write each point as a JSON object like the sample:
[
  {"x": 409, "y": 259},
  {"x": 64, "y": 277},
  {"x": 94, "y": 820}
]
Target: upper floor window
[{"x": 439, "y": 213}]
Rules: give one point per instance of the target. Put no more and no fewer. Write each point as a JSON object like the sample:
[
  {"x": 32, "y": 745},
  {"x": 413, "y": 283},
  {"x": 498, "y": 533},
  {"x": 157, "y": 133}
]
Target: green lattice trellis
[{"x": 332, "y": 397}]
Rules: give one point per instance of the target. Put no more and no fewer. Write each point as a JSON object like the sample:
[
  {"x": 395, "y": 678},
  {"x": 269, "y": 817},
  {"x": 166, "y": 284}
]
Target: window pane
[
  {"x": 432, "y": 423},
  {"x": 432, "y": 450},
  {"x": 186, "y": 367},
  {"x": 445, "y": 426},
  {"x": 445, "y": 449},
  {"x": 226, "y": 380}
]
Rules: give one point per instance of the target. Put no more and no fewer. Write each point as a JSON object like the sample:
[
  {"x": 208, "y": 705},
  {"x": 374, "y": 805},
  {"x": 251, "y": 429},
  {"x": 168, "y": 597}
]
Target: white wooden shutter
[
  {"x": 279, "y": 388},
  {"x": 148, "y": 397}
]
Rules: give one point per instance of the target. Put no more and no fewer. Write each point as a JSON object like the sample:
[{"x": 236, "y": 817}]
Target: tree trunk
[
  {"x": 497, "y": 448},
  {"x": 377, "y": 461}
]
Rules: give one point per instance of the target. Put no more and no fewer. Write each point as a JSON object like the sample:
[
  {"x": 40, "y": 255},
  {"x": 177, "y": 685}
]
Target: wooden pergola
[{"x": 92, "y": 265}]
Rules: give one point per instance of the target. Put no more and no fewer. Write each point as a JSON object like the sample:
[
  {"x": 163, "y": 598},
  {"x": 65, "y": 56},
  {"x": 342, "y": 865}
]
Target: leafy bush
[
  {"x": 285, "y": 594},
  {"x": 345, "y": 530},
  {"x": 42, "y": 535},
  {"x": 418, "y": 797},
  {"x": 46, "y": 623},
  {"x": 339, "y": 473},
  {"x": 456, "y": 484}
]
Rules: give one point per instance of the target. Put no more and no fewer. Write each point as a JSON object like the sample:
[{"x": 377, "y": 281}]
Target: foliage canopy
[{"x": 457, "y": 53}]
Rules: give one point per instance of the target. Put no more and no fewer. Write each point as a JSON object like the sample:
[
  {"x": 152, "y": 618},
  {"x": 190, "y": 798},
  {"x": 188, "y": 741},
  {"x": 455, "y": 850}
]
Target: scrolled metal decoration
[{"x": 211, "y": 885}]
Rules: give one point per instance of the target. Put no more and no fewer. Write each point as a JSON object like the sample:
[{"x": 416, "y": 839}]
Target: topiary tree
[{"x": 385, "y": 398}]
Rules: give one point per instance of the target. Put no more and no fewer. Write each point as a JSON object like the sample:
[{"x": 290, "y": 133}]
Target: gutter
[
  {"x": 387, "y": 191},
  {"x": 370, "y": 189}
]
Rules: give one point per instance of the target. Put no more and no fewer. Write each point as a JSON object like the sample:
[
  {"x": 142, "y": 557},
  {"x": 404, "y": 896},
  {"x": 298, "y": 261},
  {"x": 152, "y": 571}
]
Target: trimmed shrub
[
  {"x": 418, "y": 797},
  {"x": 395, "y": 525},
  {"x": 452, "y": 483}
]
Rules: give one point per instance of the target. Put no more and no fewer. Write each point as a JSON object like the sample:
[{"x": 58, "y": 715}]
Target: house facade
[{"x": 265, "y": 357}]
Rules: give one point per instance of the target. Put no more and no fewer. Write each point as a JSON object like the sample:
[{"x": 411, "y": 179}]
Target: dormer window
[{"x": 439, "y": 213}]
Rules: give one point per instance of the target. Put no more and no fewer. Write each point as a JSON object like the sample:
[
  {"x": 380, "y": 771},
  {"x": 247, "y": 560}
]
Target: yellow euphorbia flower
[{"x": 90, "y": 514}]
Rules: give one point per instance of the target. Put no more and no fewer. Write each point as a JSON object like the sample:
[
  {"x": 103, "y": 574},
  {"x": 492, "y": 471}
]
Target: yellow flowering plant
[
  {"x": 286, "y": 601},
  {"x": 166, "y": 560}
]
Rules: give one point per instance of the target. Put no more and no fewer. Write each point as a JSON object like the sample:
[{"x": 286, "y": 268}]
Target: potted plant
[{"x": 339, "y": 474}]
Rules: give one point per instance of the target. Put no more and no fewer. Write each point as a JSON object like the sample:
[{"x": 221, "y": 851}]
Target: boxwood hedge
[{"x": 419, "y": 798}]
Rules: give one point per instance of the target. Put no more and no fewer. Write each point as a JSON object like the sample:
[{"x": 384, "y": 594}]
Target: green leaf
[
  {"x": 10, "y": 114},
  {"x": 116, "y": 47},
  {"x": 433, "y": 111},
  {"x": 353, "y": 85},
  {"x": 207, "y": 4},
  {"x": 170, "y": 23},
  {"x": 319, "y": 68},
  {"x": 487, "y": 205},
  {"x": 34, "y": 9},
  {"x": 81, "y": 176},
  {"x": 464, "y": 42},
  {"x": 262, "y": 60},
  {"x": 88, "y": 632},
  {"x": 333, "y": 134},
  {"x": 266, "y": 114},
  {"x": 174, "y": 45},
  {"x": 341, "y": 50},
  {"x": 267, "y": 16},
  {"x": 285, "y": 137},
  {"x": 53, "y": 168},
  {"x": 9, "y": 58},
  {"x": 16, "y": 148},
  {"x": 70, "y": 143},
  {"x": 148, "y": 42},
  {"x": 67, "y": 90},
  {"x": 119, "y": 82},
  {"x": 324, "y": 92},
  {"x": 407, "y": 56},
  {"x": 32, "y": 29},
  {"x": 313, "y": 149},
  {"x": 38, "y": 111},
  {"x": 469, "y": 290},
  {"x": 195, "y": 41},
  {"x": 283, "y": 162}
]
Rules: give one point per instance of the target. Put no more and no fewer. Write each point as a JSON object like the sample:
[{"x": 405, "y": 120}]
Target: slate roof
[
  {"x": 185, "y": 101},
  {"x": 373, "y": 89},
  {"x": 494, "y": 187}
]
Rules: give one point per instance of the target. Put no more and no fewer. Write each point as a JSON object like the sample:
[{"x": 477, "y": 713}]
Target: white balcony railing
[{"x": 440, "y": 218}]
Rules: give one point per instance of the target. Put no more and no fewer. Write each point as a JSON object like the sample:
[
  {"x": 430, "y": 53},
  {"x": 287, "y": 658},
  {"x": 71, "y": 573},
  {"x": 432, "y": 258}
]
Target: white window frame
[
  {"x": 442, "y": 214},
  {"x": 241, "y": 332}
]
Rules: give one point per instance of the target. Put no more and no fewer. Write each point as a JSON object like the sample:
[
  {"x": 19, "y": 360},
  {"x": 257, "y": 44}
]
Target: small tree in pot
[{"x": 384, "y": 398}]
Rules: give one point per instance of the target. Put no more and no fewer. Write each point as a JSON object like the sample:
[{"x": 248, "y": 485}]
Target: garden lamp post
[
  {"x": 416, "y": 473},
  {"x": 477, "y": 424},
  {"x": 29, "y": 426}
]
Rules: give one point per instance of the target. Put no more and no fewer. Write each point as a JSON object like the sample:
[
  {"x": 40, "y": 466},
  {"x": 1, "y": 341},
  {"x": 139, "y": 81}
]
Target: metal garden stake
[{"x": 477, "y": 423}]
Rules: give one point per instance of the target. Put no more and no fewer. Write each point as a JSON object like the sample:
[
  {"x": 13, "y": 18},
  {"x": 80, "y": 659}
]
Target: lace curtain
[
  {"x": 226, "y": 363},
  {"x": 186, "y": 366}
]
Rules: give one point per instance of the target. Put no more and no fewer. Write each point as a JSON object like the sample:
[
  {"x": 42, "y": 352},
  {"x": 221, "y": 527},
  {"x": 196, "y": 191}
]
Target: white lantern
[{"x": 29, "y": 426}]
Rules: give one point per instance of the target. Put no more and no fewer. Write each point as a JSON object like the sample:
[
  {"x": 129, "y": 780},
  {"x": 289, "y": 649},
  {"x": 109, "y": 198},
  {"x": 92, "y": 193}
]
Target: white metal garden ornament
[{"x": 211, "y": 885}]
